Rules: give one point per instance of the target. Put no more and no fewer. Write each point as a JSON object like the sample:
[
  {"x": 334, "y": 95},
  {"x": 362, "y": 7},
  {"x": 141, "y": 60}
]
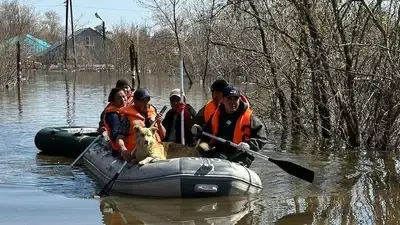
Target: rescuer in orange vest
[{"x": 233, "y": 121}]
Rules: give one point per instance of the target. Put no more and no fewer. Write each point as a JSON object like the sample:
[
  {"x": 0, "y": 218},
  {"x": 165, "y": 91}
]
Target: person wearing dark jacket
[
  {"x": 172, "y": 119},
  {"x": 233, "y": 121},
  {"x": 205, "y": 113},
  {"x": 126, "y": 87},
  {"x": 111, "y": 118}
]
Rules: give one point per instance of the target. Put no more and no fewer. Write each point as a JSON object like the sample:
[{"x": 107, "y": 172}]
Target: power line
[{"x": 91, "y": 7}]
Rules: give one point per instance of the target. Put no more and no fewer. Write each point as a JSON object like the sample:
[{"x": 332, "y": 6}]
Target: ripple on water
[{"x": 25, "y": 205}]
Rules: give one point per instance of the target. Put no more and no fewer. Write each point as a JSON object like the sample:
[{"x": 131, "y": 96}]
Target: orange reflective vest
[
  {"x": 242, "y": 129},
  {"x": 209, "y": 110},
  {"x": 110, "y": 108},
  {"x": 211, "y": 107},
  {"x": 136, "y": 119}
]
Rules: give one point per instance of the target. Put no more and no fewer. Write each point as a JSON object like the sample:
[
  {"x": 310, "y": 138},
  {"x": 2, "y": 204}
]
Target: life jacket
[
  {"x": 209, "y": 110},
  {"x": 130, "y": 99},
  {"x": 211, "y": 107},
  {"x": 110, "y": 108},
  {"x": 136, "y": 119},
  {"x": 242, "y": 130}
]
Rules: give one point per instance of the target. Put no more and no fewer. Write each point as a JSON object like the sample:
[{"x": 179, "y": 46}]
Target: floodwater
[{"x": 350, "y": 188}]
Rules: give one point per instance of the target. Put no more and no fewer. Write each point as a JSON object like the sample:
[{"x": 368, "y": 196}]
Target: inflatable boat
[
  {"x": 65, "y": 141},
  {"x": 179, "y": 177}
]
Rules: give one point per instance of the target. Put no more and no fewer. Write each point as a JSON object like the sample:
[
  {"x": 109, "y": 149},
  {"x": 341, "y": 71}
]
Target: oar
[
  {"x": 106, "y": 189},
  {"x": 289, "y": 167},
  {"x": 86, "y": 149}
]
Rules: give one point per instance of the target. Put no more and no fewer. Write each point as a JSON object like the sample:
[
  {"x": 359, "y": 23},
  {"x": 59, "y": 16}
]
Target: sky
[{"x": 111, "y": 11}]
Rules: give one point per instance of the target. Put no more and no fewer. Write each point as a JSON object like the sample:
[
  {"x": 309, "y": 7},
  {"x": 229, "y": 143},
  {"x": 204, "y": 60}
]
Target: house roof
[
  {"x": 35, "y": 44},
  {"x": 62, "y": 41}
]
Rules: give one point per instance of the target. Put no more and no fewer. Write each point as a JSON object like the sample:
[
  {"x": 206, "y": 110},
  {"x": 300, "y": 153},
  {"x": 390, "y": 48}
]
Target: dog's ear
[
  {"x": 154, "y": 130},
  {"x": 137, "y": 128}
]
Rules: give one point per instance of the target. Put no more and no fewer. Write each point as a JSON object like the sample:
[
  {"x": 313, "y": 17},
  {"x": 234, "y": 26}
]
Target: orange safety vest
[
  {"x": 136, "y": 119},
  {"x": 209, "y": 110},
  {"x": 130, "y": 99},
  {"x": 242, "y": 129},
  {"x": 211, "y": 107},
  {"x": 110, "y": 108}
]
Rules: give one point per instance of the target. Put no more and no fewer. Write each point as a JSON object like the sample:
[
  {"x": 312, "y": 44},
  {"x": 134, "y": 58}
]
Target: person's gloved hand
[
  {"x": 196, "y": 130},
  {"x": 101, "y": 129},
  {"x": 243, "y": 146},
  {"x": 183, "y": 107}
]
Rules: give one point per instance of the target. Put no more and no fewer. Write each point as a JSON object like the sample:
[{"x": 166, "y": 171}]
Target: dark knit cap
[
  {"x": 122, "y": 83},
  {"x": 218, "y": 85}
]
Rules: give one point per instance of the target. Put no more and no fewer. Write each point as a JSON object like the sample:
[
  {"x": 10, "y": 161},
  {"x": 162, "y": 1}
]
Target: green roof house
[{"x": 31, "y": 44}]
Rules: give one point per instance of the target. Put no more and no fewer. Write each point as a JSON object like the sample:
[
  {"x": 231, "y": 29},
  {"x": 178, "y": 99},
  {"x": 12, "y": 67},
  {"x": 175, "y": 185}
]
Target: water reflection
[
  {"x": 22, "y": 206},
  {"x": 127, "y": 210},
  {"x": 55, "y": 175},
  {"x": 67, "y": 99},
  {"x": 19, "y": 101},
  {"x": 73, "y": 97}
]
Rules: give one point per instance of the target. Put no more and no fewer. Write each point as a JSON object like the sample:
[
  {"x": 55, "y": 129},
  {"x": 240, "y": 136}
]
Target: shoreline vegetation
[{"x": 326, "y": 70}]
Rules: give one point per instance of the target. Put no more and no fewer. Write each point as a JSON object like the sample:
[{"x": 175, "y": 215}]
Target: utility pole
[
  {"x": 66, "y": 33},
  {"x": 104, "y": 43},
  {"x": 18, "y": 63},
  {"x": 73, "y": 35},
  {"x": 104, "y": 37},
  {"x": 137, "y": 49}
]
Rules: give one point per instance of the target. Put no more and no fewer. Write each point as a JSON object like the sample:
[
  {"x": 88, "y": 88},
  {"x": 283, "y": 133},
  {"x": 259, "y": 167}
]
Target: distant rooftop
[{"x": 35, "y": 44}]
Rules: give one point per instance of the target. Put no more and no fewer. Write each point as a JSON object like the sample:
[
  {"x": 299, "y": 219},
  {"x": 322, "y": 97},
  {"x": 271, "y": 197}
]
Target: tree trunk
[
  {"x": 268, "y": 56},
  {"x": 321, "y": 65}
]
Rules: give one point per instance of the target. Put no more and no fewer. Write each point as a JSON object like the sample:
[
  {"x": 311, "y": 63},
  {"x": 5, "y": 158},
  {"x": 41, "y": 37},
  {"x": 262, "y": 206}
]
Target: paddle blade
[
  {"x": 106, "y": 189},
  {"x": 294, "y": 169}
]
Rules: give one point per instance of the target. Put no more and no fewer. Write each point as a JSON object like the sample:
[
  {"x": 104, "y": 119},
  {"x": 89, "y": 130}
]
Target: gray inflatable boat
[{"x": 180, "y": 177}]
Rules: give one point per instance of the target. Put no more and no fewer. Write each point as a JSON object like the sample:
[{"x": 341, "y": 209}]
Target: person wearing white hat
[{"x": 172, "y": 119}]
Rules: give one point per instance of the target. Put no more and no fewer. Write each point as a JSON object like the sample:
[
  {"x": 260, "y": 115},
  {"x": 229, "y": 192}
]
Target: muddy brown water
[{"x": 350, "y": 188}]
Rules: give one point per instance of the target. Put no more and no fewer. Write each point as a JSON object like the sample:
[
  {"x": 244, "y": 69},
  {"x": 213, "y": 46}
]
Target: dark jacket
[
  {"x": 227, "y": 123},
  {"x": 172, "y": 124},
  {"x": 113, "y": 121},
  {"x": 101, "y": 122},
  {"x": 199, "y": 117}
]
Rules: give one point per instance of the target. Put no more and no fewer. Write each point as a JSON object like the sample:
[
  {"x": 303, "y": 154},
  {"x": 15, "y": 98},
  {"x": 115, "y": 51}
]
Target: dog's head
[{"x": 145, "y": 136}]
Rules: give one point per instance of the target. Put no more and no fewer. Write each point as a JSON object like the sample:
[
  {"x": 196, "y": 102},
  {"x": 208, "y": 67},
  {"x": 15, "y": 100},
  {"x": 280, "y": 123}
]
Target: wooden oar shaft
[{"x": 235, "y": 145}]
